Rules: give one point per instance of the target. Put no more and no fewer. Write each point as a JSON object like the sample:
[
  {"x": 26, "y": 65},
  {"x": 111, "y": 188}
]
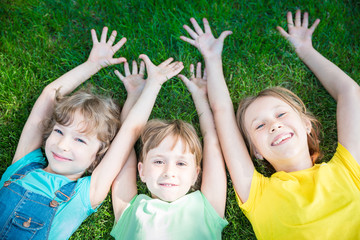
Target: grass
[{"x": 42, "y": 39}]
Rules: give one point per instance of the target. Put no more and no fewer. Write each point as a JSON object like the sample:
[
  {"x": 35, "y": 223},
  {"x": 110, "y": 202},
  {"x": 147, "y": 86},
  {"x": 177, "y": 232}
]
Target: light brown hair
[
  {"x": 292, "y": 100},
  {"x": 157, "y": 130},
  {"x": 101, "y": 116}
]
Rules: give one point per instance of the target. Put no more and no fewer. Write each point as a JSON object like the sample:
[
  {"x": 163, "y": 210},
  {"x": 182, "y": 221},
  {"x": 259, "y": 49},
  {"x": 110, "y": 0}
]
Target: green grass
[{"x": 42, "y": 39}]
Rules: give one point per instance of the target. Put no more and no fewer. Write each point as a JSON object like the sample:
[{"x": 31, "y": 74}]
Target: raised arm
[
  {"x": 124, "y": 187},
  {"x": 232, "y": 144},
  {"x": 213, "y": 184},
  {"x": 101, "y": 56},
  {"x": 341, "y": 87},
  {"x": 115, "y": 158}
]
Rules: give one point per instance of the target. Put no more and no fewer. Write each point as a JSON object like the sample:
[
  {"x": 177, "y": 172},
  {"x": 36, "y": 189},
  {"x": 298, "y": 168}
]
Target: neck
[{"x": 294, "y": 164}]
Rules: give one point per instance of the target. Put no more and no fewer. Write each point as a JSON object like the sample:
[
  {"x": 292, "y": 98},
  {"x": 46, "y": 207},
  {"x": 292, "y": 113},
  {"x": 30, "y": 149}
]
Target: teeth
[
  {"x": 281, "y": 139},
  {"x": 167, "y": 184}
]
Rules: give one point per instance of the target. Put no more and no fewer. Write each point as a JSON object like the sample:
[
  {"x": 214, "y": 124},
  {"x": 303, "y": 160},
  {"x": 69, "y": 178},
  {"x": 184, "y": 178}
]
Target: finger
[
  {"x": 305, "y": 20},
  {"x": 103, "y": 35},
  {"x": 142, "y": 68},
  {"x": 117, "y": 60},
  {"x": 205, "y": 74},
  {"x": 289, "y": 18},
  {"x": 197, "y": 28},
  {"x": 119, "y": 44},
  {"x": 315, "y": 24},
  {"x": 112, "y": 38},
  {"x": 283, "y": 32},
  {"x": 176, "y": 65},
  {"x": 185, "y": 80},
  {"x": 188, "y": 40},
  {"x": 224, "y": 34},
  {"x": 147, "y": 61},
  {"x": 192, "y": 75},
  {"x": 94, "y": 37},
  {"x": 166, "y": 62},
  {"x": 126, "y": 69},
  {"x": 206, "y": 26},
  {"x": 193, "y": 34},
  {"x": 120, "y": 76},
  {"x": 176, "y": 68},
  {"x": 298, "y": 18},
  {"x": 198, "y": 70},
  {"x": 134, "y": 67}
]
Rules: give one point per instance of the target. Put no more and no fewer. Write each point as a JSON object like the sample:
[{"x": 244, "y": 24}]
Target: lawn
[{"x": 42, "y": 39}]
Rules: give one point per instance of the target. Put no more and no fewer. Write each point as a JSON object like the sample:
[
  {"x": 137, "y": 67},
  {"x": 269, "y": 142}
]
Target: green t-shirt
[{"x": 190, "y": 217}]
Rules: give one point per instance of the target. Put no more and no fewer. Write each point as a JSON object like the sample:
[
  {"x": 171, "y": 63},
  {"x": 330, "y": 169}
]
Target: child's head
[
  {"x": 89, "y": 119},
  {"x": 277, "y": 109},
  {"x": 170, "y": 158}
]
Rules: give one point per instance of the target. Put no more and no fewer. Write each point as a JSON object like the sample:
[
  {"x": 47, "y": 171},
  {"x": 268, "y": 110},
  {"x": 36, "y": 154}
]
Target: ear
[
  {"x": 141, "y": 171},
  {"x": 308, "y": 125},
  {"x": 258, "y": 155},
  {"x": 196, "y": 175}
]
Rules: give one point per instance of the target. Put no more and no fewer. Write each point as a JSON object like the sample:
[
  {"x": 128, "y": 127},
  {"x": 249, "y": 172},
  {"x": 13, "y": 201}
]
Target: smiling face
[
  {"x": 69, "y": 150},
  {"x": 278, "y": 134},
  {"x": 169, "y": 170}
]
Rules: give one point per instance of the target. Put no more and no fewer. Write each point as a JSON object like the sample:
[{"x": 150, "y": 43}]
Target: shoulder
[
  {"x": 34, "y": 156},
  {"x": 343, "y": 161}
]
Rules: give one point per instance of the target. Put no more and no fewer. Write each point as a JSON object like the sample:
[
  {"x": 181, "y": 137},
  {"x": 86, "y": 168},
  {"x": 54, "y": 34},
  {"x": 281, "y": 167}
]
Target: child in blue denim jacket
[{"x": 43, "y": 195}]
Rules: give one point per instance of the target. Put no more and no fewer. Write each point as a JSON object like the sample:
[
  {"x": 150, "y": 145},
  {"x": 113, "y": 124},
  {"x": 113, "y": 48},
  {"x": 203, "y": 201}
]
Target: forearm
[
  {"x": 334, "y": 80},
  {"x": 218, "y": 92},
  {"x": 129, "y": 103},
  {"x": 72, "y": 79}
]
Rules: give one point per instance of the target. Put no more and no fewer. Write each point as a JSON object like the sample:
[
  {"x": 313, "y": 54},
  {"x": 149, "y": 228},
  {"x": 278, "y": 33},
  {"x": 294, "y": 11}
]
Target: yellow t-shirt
[{"x": 322, "y": 202}]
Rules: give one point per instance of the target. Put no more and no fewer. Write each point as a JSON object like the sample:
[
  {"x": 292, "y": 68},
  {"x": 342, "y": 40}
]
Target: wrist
[
  {"x": 304, "y": 52},
  {"x": 212, "y": 57},
  {"x": 94, "y": 65}
]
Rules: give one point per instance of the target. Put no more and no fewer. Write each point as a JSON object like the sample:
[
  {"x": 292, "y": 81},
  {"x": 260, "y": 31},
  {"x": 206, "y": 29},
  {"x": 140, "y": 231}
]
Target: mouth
[
  {"x": 283, "y": 138},
  {"x": 167, "y": 185},
  {"x": 61, "y": 158}
]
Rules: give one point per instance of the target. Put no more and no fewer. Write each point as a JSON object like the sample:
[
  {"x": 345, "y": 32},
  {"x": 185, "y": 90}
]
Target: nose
[
  {"x": 64, "y": 144},
  {"x": 276, "y": 125},
  {"x": 169, "y": 171}
]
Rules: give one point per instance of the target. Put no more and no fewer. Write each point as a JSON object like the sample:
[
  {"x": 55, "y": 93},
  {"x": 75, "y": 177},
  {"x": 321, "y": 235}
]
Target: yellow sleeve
[
  {"x": 257, "y": 184},
  {"x": 344, "y": 159}
]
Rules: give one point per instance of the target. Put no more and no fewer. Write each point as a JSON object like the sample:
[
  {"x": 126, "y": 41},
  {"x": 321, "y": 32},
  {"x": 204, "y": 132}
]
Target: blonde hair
[
  {"x": 292, "y": 100},
  {"x": 157, "y": 130},
  {"x": 101, "y": 117}
]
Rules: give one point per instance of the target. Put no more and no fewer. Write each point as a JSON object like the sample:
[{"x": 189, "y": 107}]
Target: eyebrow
[{"x": 256, "y": 119}]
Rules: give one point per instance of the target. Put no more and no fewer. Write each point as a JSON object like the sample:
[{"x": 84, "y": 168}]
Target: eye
[
  {"x": 58, "y": 131},
  {"x": 281, "y": 114},
  {"x": 80, "y": 140},
  {"x": 260, "y": 126},
  {"x": 158, "y": 162},
  {"x": 181, "y": 164}
]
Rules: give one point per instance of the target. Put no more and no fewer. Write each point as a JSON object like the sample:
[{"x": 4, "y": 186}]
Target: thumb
[
  {"x": 184, "y": 79},
  {"x": 224, "y": 34},
  {"x": 146, "y": 60}
]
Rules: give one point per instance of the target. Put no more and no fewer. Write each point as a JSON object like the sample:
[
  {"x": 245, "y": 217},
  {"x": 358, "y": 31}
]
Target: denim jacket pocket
[{"x": 24, "y": 227}]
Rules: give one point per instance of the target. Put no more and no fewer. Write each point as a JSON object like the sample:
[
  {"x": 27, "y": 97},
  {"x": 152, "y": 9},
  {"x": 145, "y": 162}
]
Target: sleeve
[
  {"x": 211, "y": 213},
  {"x": 83, "y": 188},
  {"x": 34, "y": 156},
  {"x": 257, "y": 184},
  {"x": 344, "y": 159}
]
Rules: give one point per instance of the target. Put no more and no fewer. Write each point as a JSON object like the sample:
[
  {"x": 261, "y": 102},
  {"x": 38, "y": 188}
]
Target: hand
[
  {"x": 102, "y": 52},
  {"x": 134, "y": 82},
  {"x": 163, "y": 72},
  {"x": 206, "y": 43},
  {"x": 196, "y": 84},
  {"x": 299, "y": 34}
]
